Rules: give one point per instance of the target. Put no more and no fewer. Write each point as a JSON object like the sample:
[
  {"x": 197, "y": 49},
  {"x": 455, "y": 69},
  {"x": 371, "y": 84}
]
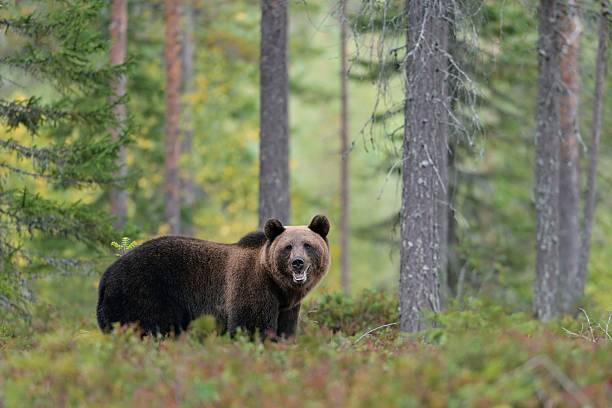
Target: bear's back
[{"x": 185, "y": 276}]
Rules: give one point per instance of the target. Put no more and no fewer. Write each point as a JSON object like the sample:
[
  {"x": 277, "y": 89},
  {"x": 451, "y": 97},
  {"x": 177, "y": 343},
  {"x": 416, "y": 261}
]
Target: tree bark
[
  {"x": 425, "y": 138},
  {"x": 569, "y": 195},
  {"x": 344, "y": 156},
  {"x": 118, "y": 40},
  {"x": 546, "y": 288},
  {"x": 591, "y": 190},
  {"x": 187, "y": 56},
  {"x": 172, "y": 55},
  {"x": 274, "y": 120}
]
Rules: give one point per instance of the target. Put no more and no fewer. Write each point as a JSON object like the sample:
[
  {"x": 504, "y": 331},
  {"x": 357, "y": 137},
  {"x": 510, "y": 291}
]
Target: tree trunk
[
  {"x": 446, "y": 192},
  {"x": 187, "y": 56},
  {"x": 274, "y": 120},
  {"x": 569, "y": 195},
  {"x": 546, "y": 288},
  {"x": 425, "y": 137},
  {"x": 118, "y": 39},
  {"x": 590, "y": 194},
  {"x": 172, "y": 54},
  {"x": 344, "y": 157},
  {"x": 442, "y": 209},
  {"x": 448, "y": 284}
]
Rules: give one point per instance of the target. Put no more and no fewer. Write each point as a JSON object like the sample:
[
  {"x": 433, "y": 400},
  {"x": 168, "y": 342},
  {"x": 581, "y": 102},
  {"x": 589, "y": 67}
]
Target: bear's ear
[
  {"x": 273, "y": 229},
  {"x": 320, "y": 225}
]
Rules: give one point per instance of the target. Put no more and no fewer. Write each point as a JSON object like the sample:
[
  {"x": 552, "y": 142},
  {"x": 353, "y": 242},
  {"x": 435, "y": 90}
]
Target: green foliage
[
  {"x": 492, "y": 218},
  {"x": 203, "y": 327},
  {"x": 487, "y": 358},
  {"x": 224, "y": 114},
  {"x": 123, "y": 246},
  {"x": 55, "y": 140},
  {"x": 337, "y": 312}
]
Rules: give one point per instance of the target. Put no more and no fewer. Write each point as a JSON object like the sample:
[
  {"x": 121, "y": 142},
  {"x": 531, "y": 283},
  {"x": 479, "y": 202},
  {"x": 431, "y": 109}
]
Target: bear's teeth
[{"x": 299, "y": 277}]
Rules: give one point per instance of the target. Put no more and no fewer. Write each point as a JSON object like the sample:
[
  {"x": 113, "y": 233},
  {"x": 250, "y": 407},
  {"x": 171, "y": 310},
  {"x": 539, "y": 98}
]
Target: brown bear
[{"x": 256, "y": 284}]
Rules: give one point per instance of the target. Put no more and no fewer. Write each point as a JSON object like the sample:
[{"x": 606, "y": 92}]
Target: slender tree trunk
[
  {"x": 344, "y": 156},
  {"x": 548, "y": 138},
  {"x": 118, "y": 39},
  {"x": 447, "y": 172},
  {"x": 590, "y": 194},
  {"x": 274, "y": 120},
  {"x": 187, "y": 56},
  {"x": 569, "y": 195},
  {"x": 172, "y": 54},
  {"x": 448, "y": 285},
  {"x": 425, "y": 138}
]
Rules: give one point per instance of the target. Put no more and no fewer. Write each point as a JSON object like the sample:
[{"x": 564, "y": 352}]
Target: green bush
[{"x": 352, "y": 315}]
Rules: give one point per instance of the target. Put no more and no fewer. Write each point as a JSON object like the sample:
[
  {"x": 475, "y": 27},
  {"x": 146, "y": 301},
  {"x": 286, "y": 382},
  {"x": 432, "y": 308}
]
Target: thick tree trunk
[
  {"x": 172, "y": 55},
  {"x": 274, "y": 120},
  {"x": 590, "y": 194},
  {"x": 425, "y": 138},
  {"x": 187, "y": 56},
  {"x": 569, "y": 195},
  {"x": 118, "y": 39},
  {"x": 546, "y": 288},
  {"x": 344, "y": 157}
]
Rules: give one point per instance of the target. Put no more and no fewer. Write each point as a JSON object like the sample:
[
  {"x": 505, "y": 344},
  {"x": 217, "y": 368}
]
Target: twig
[
  {"x": 605, "y": 333},
  {"x": 373, "y": 330},
  {"x": 582, "y": 336},
  {"x": 588, "y": 322}
]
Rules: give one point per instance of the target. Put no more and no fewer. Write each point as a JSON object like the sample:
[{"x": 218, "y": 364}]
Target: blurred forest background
[
  {"x": 115, "y": 136},
  {"x": 493, "y": 224}
]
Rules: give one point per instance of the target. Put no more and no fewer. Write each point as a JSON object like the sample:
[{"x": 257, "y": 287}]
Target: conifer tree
[{"x": 54, "y": 139}]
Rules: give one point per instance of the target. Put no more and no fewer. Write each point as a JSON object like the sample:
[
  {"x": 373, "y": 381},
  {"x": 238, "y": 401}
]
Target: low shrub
[
  {"x": 352, "y": 315},
  {"x": 477, "y": 355}
]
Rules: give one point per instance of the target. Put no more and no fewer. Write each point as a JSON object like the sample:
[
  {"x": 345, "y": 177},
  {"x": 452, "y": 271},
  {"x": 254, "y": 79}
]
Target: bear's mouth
[{"x": 300, "y": 277}]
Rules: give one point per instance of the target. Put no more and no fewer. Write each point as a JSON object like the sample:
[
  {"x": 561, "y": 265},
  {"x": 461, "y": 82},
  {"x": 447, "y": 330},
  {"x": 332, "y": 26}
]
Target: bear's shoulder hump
[{"x": 253, "y": 239}]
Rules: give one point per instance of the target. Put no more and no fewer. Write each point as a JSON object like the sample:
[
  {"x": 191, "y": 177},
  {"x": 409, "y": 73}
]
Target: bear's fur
[{"x": 256, "y": 284}]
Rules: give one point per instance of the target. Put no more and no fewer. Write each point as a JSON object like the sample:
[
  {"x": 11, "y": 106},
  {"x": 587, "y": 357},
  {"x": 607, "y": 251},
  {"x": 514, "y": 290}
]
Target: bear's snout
[{"x": 297, "y": 264}]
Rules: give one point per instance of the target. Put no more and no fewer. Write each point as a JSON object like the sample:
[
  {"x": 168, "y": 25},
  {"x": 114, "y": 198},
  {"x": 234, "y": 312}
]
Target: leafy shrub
[{"x": 352, "y": 315}]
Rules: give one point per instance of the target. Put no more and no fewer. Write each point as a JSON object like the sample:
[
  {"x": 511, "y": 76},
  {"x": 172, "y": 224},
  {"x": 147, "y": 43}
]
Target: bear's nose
[{"x": 297, "y": 263}]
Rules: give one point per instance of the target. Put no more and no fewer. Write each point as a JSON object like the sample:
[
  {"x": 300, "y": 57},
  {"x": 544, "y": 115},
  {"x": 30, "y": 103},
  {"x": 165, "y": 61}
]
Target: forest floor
[{"x": 477, "y": 355}]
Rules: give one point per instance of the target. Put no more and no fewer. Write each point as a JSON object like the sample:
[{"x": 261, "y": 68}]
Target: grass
[{"x": 477, "y": 355}]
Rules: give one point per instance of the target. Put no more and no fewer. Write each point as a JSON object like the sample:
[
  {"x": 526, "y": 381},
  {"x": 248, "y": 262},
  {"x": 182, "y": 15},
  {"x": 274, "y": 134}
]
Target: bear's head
[{"x": 298, "y": 256}]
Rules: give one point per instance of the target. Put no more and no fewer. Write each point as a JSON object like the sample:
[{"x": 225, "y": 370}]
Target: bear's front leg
[
  {"x": 259, "y": 319},
  {"x": 287, "y": 321}
]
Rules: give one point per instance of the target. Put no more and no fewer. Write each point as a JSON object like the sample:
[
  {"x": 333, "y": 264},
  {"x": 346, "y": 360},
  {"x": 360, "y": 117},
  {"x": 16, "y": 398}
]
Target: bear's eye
[
  {"x": 307, "y": 246},
  {"x": 288, "y": 248}
]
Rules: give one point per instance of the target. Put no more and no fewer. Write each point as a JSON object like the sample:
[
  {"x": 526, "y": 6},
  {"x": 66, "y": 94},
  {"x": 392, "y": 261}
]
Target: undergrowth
[{"x": 348, "y": 353}]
